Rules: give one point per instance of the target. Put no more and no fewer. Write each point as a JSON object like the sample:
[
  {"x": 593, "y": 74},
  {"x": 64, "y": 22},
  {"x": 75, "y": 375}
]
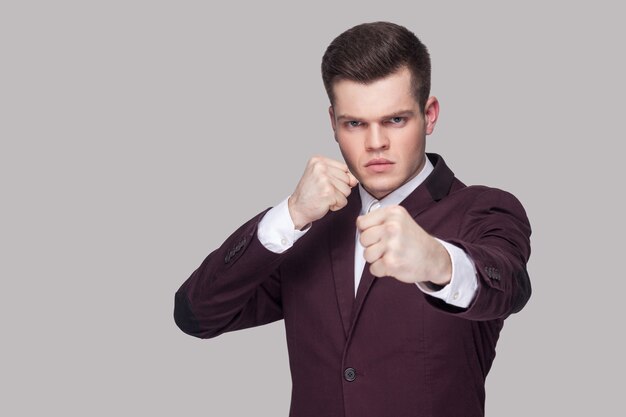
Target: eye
[
  {"x": 354, "y": 123},
  {"x": 396, "y": 120}
]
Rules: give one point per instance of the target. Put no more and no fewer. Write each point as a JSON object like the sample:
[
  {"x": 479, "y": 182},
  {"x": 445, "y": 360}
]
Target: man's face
[{"x": 381, "y": 131}]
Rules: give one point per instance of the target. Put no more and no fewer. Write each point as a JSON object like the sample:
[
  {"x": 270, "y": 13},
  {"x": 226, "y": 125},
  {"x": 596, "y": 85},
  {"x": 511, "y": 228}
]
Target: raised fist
[
  {"x": 396, "y": 246},
  {"x": 324, "y": 186}
]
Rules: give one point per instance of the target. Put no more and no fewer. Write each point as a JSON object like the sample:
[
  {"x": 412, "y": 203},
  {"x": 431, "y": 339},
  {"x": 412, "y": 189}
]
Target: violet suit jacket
[{"x": 393, "y": 351}]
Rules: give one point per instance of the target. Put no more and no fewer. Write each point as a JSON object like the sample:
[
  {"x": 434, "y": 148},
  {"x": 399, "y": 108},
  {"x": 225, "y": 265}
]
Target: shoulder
[
  {"x": 485, "y": 195},
  {"x": 491, "y": 209},
  {"x": 479, "y": 203}
]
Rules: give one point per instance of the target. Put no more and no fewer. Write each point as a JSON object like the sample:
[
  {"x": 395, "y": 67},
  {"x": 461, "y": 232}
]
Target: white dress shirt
[{"x": 277, "y": 233}]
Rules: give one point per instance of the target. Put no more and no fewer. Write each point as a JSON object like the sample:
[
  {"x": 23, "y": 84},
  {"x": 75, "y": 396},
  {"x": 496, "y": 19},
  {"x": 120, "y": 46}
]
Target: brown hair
[{"x": 371, "y": 51}]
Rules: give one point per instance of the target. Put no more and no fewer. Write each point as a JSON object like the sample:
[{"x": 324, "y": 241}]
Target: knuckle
[
  {"x": 395, "y": 247},
  {"x": 316, "y": 162},
  {"x": 326, "y": 189},
  {"x": 396, "y": 210},
  {"x": 392, "y": 227},
  {"x": 319, "y": 168}
]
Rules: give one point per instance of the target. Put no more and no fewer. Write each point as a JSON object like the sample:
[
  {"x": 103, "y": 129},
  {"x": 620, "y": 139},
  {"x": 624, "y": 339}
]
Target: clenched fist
[
  {"x": 325, "y": 185},
  {"x": 396, "y": 246}
]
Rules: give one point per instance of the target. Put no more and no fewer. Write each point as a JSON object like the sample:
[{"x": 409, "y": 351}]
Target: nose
[{"x": 376, "y": 138}]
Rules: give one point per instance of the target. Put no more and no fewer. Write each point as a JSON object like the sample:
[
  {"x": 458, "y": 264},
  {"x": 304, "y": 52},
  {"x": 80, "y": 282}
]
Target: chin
[{"x": 378, "y": 190}]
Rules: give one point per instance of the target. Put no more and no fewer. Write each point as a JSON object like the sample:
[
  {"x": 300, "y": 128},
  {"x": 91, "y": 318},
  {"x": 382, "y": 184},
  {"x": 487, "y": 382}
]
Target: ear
[
  {"x": 331, "y": 113},
  {"x": 431, "y": 114}
]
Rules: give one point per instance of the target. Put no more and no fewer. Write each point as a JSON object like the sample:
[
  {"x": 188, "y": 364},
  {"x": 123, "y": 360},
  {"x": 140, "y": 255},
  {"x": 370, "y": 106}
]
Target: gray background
[{"x": 131, "y": 131}]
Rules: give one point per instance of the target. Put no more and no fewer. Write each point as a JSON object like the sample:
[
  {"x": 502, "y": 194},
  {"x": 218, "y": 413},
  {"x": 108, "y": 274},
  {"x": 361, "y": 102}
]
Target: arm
[
  {"x": 495, "y": 234},
  {"x": 237, "y": 286},
  {"x": 461, "y": 289}
]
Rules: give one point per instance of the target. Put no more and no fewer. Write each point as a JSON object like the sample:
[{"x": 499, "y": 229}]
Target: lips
[
  {"x": 378, "y": 161},
  {"x": 379, "y": 166}
]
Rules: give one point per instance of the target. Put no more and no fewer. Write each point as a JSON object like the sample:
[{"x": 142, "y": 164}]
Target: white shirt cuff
[
  {"x": 276, "y": 230},
  {"x": 463, "y": 284}
]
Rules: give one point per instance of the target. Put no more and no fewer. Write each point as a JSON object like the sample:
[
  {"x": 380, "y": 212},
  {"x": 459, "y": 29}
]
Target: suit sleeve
[
  {"x": 237, "y": 286},
  {"x": 495, "y": 234}
]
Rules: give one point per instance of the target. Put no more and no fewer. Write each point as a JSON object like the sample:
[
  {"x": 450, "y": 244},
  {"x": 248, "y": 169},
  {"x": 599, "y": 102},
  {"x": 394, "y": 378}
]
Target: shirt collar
[{"x": 397, "y": 195}]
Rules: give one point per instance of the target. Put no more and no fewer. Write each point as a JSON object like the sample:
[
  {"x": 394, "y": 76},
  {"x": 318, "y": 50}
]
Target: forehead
[{"x": 381, "y": 97}]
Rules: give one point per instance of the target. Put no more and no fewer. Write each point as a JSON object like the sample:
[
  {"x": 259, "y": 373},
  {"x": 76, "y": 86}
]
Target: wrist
[
  {"x": 298, "y": 222},
  {"x": 442, "y": 273}
]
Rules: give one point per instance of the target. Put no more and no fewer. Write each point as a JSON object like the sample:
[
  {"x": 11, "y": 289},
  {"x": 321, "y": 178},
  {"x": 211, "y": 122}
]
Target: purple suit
[{"x": 393, "y": 351}]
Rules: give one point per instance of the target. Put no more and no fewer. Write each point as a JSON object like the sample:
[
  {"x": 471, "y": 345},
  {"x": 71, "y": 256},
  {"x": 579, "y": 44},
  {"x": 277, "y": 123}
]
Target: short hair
[{"x": 371, "y": 51}]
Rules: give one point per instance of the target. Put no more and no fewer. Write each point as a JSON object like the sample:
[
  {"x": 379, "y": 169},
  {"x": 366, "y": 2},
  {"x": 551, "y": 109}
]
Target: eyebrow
[{"x": 401, "y": 113}]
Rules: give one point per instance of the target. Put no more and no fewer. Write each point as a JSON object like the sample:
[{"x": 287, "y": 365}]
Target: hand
[
  {"x": 396, "y": 246},
  {"x": 325, "y": 185}
]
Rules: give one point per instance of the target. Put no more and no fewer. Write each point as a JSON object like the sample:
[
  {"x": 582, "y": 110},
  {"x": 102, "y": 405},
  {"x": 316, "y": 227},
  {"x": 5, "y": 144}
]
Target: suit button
[{"x": 349, "y": 374}]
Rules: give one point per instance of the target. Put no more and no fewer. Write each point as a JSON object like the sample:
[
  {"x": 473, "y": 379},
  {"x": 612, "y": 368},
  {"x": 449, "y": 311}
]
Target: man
[{"x": 393, "y": 294}]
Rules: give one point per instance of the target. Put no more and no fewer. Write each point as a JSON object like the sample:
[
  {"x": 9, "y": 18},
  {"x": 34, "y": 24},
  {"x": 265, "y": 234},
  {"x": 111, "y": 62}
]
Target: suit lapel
[
  {"x": 342, "y": 234},
  {"x": 367, "y": 280}
]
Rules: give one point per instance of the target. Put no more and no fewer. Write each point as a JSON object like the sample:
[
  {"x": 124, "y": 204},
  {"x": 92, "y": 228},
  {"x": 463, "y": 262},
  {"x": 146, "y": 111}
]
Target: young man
[{"x": 393, "y": 294}]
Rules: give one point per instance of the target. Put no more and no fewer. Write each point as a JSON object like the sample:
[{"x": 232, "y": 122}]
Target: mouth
[
  {"x": 378, "y": 161},
  {"x": 379, "y": 165}
]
